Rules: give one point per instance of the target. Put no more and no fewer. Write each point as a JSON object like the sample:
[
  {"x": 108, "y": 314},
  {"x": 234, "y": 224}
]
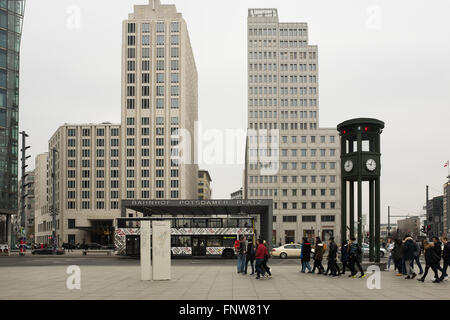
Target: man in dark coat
[
  {"x": 431, "y": 261},
  {"x": 305, "y": 255},
  {"x": 355, "y": 253},
  {"x": 397, "y": 255},
  {"x": 332, "y": 256},
  {"x": 318, "y": 256},
  {"x": 438, "y": 251},
  {"x": 250, "y": 257},
  {"x": 446, "y": 257},
  {"x": 345, "y": 256},
  {"x": 408, "y": 255}
]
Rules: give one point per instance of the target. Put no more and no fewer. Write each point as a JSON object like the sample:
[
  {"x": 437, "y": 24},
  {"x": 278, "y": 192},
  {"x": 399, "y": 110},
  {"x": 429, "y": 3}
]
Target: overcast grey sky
[{"x": 384, "y": 59}]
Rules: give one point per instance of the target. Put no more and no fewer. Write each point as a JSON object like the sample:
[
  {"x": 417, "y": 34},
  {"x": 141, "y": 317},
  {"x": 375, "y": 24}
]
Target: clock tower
[{"x": 360, "y": 162}]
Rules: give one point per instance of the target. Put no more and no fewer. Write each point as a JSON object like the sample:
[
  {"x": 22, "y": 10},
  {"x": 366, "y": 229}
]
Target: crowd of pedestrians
[
  {"x": 255, "y": 254},
  {"x": 404, "y": 253}
]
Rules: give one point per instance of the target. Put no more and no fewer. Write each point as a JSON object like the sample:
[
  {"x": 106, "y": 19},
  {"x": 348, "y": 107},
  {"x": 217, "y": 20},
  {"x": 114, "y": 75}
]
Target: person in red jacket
[{"x": 261, "y": 252}]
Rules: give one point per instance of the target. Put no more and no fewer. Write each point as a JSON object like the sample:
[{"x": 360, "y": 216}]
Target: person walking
[
  {"x": 438, "y": 250},
  {"x": 261, "y": 252},
  {"x": 266, "y": 259},
  {"x": 345, "y": 257},
  {"x": 355, "y": 256},
  {"x": 332, "y": 256},
  {"x": 389, "y": 247},
  {"x": 446, "y": 258},
  {"x": 431, "y": 261},
  {"x": 408, "y": 256},
  {"x": 417, "y": 253},
  {"x": 318, "y": 256},
  {"x": 397, "y": 254},
  {"x": 241, "y": 254},
  {"x": 305, "y": 255},
  {"x": 250, "y": 257}
]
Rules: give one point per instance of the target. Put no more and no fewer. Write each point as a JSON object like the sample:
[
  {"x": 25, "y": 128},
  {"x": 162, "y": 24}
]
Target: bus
[{"x": 190, "y": 237}]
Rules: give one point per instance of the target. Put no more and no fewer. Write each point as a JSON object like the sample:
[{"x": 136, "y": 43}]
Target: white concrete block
[
  {"x": 146, "y": 262},
  {"x": 161, "y": 250}
]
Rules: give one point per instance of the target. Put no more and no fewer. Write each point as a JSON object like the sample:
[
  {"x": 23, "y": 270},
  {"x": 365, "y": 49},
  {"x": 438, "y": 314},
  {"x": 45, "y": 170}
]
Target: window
[
  {"x": 327, "y": 218},
  {"x": 174, "y": 27},
  {"x": 146, "y": 28},
  {"x": 71, "y": 223},
  {"x": 289, "y": 218},
  {"x": 145, "y": 40},
  {"x": 160, "y": 40},
  {"x": 160, "y": 27},
  {"x": 308, "y": 218}
]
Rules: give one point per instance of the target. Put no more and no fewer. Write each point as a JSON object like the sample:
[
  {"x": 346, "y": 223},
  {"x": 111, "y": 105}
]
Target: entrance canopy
[{"x": 199, "y": 208}]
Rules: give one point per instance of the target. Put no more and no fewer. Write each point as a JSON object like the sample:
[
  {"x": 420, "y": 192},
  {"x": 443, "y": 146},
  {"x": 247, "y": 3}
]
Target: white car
[
  {"x": 365, "y": 247},
  {"x": 292, "y": 250}
]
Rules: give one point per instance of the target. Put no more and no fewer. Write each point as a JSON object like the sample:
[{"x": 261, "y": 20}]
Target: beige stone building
[
  {"x": 87, "y": 188},
  {"x": 28, "y": 205},
  {"x": 204, "y": 185},
  {"x": 159, "y": 105},
  {"x": 43, "y": 219},
  {"x": 297, "y": 167}
]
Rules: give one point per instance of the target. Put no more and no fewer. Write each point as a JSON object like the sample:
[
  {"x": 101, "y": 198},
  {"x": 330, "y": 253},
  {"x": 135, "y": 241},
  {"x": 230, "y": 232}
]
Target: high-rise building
[
  {"x": 159, "y": 101},
  {"x": 446, "y": 208},
  {"x": 87, "y": 188},
  {"x": 283, "y": 95},
  {"x": 42, "y": 216},
  {"x": 435, "y": 216},
  {"x": 11, "y": 16},
  {"x": 204, "y": 185}
]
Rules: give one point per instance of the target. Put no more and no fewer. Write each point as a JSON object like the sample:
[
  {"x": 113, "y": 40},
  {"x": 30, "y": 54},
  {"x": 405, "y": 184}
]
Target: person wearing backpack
[
  {"x": 345, "y": 257},
  {"x": 250, "y": 257},
  {"x": 408, "y": 256},
  {"x": 355, "y": 256},
  {"x": 431, "y": 261}
]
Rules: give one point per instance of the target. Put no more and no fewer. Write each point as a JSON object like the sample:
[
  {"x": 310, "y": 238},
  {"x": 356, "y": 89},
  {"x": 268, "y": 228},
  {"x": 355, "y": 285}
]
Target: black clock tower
[{"x": 360, "y": 161}]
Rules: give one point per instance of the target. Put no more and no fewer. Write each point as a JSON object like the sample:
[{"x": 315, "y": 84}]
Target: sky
[{"x": 384, "y": 59}]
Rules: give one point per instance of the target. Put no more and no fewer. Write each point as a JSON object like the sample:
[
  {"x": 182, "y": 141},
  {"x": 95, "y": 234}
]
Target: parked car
[
  {"x": 48, "y": 250},
  {"x": 292, "y": 250},
  {"x": 365, "y": 248}
]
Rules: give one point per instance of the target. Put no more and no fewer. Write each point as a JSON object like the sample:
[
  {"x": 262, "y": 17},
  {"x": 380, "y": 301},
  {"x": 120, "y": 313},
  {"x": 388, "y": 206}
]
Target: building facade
[
  {"x": 283, "y": 95},
  {"x": 159, "y": 105},
  {"x": 42, "y": 216},
  {"x": 204, "y": 185},
  {"x": 446, "y": 208},
  {"x": 236, "y": 194},
  {"x": 87, "y": 187},
  {"x": 11, "y": 17},
  {"x": 435, "y": 216}
]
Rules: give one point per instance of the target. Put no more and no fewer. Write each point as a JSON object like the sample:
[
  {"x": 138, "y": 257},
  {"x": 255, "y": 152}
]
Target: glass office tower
[{"x": 11, "y": 17}]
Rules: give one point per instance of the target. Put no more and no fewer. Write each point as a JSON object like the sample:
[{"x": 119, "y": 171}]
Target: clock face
[
  {"x": 371, "y": 165},
  {"x": 348, "y": 165}
]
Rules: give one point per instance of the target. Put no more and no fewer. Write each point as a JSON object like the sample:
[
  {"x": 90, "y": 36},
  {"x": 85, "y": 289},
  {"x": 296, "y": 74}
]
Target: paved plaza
[{"x": 204, "y": 280}]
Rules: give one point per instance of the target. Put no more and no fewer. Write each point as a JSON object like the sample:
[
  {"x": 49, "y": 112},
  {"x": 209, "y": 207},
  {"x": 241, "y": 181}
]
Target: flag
[{"x": 446, "y": 164}]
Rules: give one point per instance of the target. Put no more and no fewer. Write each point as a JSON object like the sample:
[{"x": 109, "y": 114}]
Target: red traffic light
[{"x": 366, "y": 128}]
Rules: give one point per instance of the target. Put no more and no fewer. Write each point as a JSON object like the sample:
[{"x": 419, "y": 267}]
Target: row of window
[
  {"x": 159, "y": 194},
  {"x": 47, "y": 226},
  {"x": 304, "y": 205},
  {"x": 284, "y": 126},
  {"x": 87, "y": 173},
  {"x": 99, "y": 205},
  {"x": 303, "y": 153},
  {"x": 323, "y": 218},
  {"x": 145, "y": 78},
  {"x": 160, "y": 65},
  {"x": 268, "y": 114},
  {"x": 283, "y": 102},
  {"x": 86, "y": 132},
  {"x": 160, "y": 40},
  {"x": 283, "y": 90},
  {"x": 294, "y": 179},
  {"x": 99, "y": 184},
  {"x": 160, "y": 27},
  {"x": 159, "y": 103},
  {"x": 283, "y": 79},
  {"x": 293, "y": 32},
  {"x": 295, "y": 193}
]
